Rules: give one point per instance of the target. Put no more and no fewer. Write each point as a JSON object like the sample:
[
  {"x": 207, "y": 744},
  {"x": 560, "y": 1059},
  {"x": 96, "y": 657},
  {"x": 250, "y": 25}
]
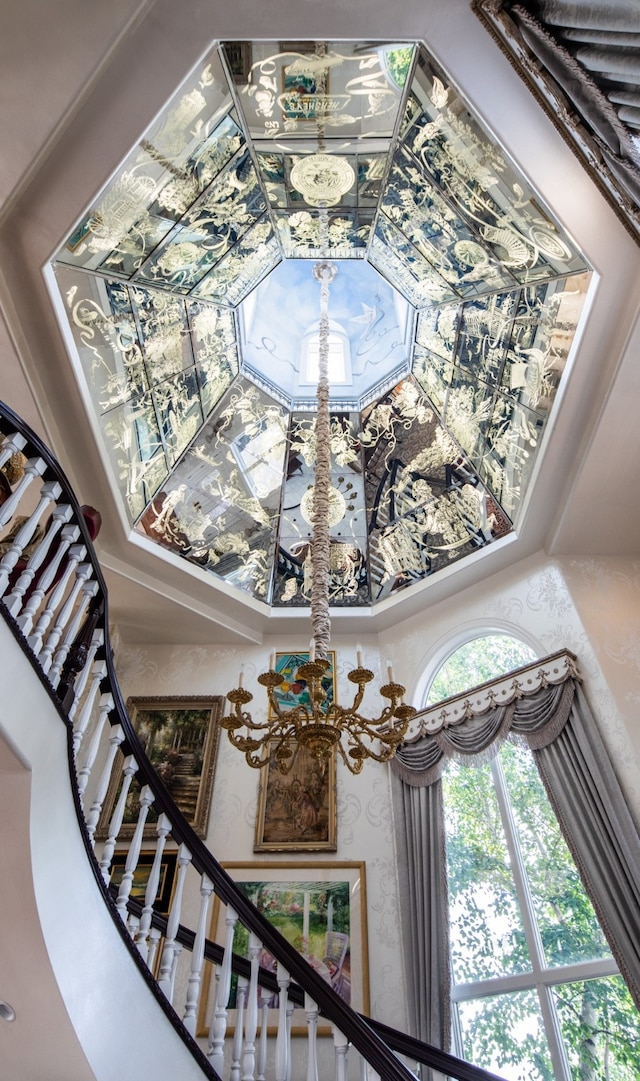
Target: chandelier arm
[
  {"x": 369, "y": 728},
  {"x": 357, "y": 699},
  {"x": 354, "y": 765},
  {"x": 274, "y": 704},
  {"x": 241, "y": 717}
]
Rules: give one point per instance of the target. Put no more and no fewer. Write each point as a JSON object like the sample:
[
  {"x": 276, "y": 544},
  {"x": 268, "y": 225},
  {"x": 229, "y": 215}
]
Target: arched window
[
  {"x": 535, "y": 992},
  {"x": 477, "y": 661}
]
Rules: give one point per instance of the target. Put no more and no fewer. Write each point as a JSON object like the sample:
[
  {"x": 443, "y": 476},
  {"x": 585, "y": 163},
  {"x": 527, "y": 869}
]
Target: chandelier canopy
[{"x": 317, "y": 726}]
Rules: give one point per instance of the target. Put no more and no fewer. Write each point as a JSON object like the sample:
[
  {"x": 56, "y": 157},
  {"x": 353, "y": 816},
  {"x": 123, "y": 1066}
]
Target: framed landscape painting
[
  {"x": 297, "y": 810},
  {"x": 321, "y": 909},
  {"x": 162, "y": 900},
  {"x": 180, "y": 737}
]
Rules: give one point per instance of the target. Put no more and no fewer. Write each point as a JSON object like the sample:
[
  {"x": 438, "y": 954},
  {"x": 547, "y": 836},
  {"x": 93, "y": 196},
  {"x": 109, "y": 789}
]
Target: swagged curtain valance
[{"x": 556, "y": 723}]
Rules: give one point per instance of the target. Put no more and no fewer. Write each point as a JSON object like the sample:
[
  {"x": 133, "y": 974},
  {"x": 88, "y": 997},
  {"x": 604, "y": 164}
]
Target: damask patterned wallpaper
[
  {"x": 607, "y": 594},
  {"x": 589, "y": 607}
]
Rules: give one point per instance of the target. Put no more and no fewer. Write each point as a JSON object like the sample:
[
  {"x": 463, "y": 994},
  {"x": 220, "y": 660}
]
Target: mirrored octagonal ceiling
[
  {"x": 370, "y": 334},
  {"x": 193, "y": 312}
]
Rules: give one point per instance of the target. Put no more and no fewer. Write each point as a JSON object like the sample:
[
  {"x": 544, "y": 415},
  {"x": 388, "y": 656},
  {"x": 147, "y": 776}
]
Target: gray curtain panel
[
  {"x": 575, "y": 768},
  {"x": 424, "y": 908}
]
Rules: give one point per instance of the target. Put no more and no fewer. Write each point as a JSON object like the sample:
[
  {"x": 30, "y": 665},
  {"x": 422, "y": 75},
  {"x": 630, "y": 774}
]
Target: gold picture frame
[
  {"x": 181, "y": 737},
  {"x": 328, "y": 901},
  {"x": 297, "y": 810},
  {"x": 166, "y": 882}
]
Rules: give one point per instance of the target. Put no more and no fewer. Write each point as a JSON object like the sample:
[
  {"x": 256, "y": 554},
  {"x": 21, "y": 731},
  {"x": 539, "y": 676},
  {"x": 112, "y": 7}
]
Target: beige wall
[
  {"x": 532, "y": 601},
  {"x": 551, "y": 604},
  {"x": 606, "y": 592},
  {"x": 364, "y": 805}
]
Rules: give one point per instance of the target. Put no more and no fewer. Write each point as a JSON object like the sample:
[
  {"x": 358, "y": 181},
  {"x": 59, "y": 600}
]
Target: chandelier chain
[{"x": 320, "y": 547}]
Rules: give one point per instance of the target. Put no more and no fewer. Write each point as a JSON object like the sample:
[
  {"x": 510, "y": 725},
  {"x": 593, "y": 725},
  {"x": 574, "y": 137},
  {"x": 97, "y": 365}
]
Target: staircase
[{"x": 55, "y": 606}]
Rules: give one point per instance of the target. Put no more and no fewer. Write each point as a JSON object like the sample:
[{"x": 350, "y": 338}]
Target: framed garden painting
[
  {"x": 297, "y": 810},
  {"x": 180, "y": 737},
  {"x": 321, "y": 909},
  {"x": 293, "y": 690}
]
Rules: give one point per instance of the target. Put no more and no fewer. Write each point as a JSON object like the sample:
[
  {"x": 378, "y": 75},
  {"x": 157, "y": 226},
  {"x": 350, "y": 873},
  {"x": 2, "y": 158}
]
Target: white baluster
[
  {"x": 290, "y": 1009},
  {"x": 89, "y": 669},
  {"x": 35, "y": 640},
  {"x": 88, "y": 590},
  {"x": 35, "y": 467},
  {"x": 13, "y": 444},
  {"x": 48, "y": 494},
  {"x": 170, "y": 945},
  {"x": 236, "y": 1052},
  {"x": 261, "y": 1065},
  {"x": 116, "y": 737},
  {"x": 223, "y": 987},
  {"x": 162, "y": 830},
  {"x": 106, "y": 705},
  {"x": 129, "y": 769},
  {"x": 197, "y": 958},
  {"x": 251, "y": 1023},
  {"x": 154, "y": 941},
  {"x": 133, "y": 855},
  {"x": 25, "y": 620},
  {"x": 98, "y": 673},
  {"x": 14, "y": 601},
  {"x": 341, "y": 1045},
  {"x": 311, "y": 1016},
  {"x": 174, "y": 968},
  {"x": 282, "y": 1039}
]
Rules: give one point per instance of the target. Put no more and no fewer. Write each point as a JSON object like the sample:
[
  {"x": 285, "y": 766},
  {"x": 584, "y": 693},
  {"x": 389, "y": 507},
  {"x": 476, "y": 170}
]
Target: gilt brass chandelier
[{"x": 317, "y": 726}]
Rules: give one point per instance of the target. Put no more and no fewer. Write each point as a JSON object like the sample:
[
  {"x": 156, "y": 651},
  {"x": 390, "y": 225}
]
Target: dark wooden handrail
[
  {"x": 362, "y": 1032},
  {"x": 399, "y": 1042}
]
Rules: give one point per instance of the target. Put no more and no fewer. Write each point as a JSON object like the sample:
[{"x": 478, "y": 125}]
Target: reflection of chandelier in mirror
[{"x": 318, "y": 725}]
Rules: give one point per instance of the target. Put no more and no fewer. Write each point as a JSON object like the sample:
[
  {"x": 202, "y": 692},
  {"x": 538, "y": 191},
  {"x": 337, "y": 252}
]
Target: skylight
[{"x": 192, "y": 305}]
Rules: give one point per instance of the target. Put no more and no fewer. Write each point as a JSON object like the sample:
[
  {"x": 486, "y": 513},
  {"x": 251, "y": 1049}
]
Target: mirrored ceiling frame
[
  {"x": 448, "y": 171},
  {"x": 348, "y": 571},
  {"x": 320, "y": 117},
  {"x": 178, "y": 158},
  {"x": 199, "y": 215},
  {"x": 219, "y": 508},
  {"x": 426, "y": 505}
]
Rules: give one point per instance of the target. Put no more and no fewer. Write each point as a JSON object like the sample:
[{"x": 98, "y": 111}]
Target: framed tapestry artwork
[
  {"x": 321, "y": 909},
  {"x": 180, "y": 737},
  {"x": 297, "y": 810},
  {"x": 294, "y": 691}
]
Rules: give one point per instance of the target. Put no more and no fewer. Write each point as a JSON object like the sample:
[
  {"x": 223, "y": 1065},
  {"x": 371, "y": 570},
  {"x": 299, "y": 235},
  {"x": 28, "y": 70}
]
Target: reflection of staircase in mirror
[{"x": 55, "y": 629}]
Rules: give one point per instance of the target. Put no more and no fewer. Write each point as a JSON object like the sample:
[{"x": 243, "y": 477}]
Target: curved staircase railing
[{"x": 55, "y": 599}]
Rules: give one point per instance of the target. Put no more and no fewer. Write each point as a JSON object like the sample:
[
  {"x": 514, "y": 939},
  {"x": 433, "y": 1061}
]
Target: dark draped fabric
[{"x": 558, "y": 726}]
